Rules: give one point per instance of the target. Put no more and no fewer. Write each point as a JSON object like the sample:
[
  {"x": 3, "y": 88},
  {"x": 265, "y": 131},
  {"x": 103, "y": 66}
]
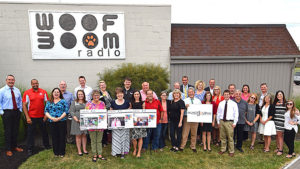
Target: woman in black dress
[
  {"x": 175, "y": 112},
  {"x": 207, "y": 127},
  {"x": 137, "y": 133}
]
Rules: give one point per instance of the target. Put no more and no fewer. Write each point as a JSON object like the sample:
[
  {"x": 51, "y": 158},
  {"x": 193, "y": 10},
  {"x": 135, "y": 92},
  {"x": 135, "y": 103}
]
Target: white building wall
[{"x": 147, "y": 31}]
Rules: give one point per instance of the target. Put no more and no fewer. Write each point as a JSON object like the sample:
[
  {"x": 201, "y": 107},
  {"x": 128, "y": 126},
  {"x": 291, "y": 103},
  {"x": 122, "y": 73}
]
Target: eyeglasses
[
  {"x": 163, "y": 95},
  {"x": 253, "y": 98},
  {"x": 290, "y": 104}
]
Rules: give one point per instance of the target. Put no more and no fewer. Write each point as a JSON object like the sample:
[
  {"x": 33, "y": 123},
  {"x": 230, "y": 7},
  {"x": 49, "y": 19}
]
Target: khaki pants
[
  {"x": 226, "y": 132},
  {"x": 187, "y": 127}
]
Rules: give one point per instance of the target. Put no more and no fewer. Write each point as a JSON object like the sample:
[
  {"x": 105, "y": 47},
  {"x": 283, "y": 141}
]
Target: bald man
[{"x": 145, "y": 88}]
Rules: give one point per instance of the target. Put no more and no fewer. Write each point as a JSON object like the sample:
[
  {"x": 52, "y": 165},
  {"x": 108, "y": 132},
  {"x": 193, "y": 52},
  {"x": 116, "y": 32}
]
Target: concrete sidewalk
[{"x": 295, "y": 164}]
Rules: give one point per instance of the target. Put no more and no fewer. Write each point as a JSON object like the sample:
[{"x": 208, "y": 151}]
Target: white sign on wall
[{"x": 77, "y": 35}]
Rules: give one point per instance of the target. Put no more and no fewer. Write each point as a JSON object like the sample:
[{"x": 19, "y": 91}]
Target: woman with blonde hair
[
  {"x": 200, "y": 92},
  {"x": 217, "y": 98},
  {"x": 175, "y": 113},
  {"x": 252, "y": 117}
]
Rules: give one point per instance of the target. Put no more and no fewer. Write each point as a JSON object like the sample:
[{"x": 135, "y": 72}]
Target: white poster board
[
  {"x": 77, "y": 34},
  {"x": 93, "y": 119},
  {"x": 202, "y": 113},
  {"x": 144, "y": 118},
  {"x": 120, "y": 119}
]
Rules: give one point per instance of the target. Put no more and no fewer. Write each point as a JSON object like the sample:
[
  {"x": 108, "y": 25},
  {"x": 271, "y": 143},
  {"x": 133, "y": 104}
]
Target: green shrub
[{"x": 157, "y": 76}]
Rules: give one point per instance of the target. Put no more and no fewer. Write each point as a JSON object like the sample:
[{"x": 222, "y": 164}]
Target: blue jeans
[
  {"x": 174, "y": 128},
  {"x": 164, "y": 127},
  {"x": 155, "y": 140}
]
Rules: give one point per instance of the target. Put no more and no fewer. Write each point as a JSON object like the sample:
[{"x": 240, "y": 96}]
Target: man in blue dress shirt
[
  {"x": 68, "y": 96},
  {"x": 10, "y": 109}
]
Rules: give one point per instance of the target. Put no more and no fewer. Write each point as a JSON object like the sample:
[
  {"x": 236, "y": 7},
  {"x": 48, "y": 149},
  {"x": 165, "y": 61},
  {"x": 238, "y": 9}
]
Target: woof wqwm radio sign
[{"x": 77, "y": 35}]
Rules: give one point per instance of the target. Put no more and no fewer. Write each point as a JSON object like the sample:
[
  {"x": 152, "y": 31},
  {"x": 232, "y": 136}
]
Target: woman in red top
[
  {"x": 217, "y": 98},
  {"x": 207, "y": 127},
  {"x": 164, "y": 120}
]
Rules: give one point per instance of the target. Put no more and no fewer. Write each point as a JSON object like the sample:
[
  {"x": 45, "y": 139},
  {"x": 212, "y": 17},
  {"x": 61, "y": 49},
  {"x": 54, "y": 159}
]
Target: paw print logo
[{"x": 90, "y": 40}]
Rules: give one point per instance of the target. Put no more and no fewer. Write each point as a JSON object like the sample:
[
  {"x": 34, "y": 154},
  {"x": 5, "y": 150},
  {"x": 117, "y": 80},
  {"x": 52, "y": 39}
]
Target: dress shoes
[
  {"x": 18, "y": 149},
  {"x": 9, "y": 153}
]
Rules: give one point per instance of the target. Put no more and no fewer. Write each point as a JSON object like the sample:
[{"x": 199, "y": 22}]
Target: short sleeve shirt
[
  {"x": 57, "y": 109},
  {"x": 36, "y": 102},
  {"x": 175, "y": 110}
]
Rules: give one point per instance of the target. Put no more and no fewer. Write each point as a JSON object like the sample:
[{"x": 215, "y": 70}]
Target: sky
[{"x": 219, "y": 11}]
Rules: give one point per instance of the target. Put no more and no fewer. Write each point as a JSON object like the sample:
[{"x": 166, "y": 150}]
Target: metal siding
[{"x": 276, "y": 75}]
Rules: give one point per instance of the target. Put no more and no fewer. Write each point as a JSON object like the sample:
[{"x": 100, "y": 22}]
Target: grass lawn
[{"x": 249, "y": 159}]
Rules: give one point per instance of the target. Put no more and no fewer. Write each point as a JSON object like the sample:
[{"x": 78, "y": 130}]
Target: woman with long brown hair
[
  {"x": 207, "y": 127},
  {"x": 56, "y": 111},
  {"x": 267, "y": 125},
  {"x": 75, "y": 108},
  {"x": 291, "y": 120}
]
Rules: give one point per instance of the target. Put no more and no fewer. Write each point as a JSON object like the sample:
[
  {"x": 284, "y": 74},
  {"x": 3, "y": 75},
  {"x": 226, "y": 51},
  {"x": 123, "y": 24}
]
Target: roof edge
[{"x": 228, "y": 25}]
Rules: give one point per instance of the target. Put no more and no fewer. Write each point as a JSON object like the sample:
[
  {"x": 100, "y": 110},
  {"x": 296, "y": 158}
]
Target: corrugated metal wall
[{"x": 276, "y": 75}]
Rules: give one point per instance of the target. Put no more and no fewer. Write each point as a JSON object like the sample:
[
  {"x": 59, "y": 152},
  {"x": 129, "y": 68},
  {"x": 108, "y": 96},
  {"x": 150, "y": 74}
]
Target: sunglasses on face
[
  {"x": 253, "y": 98},
  {"x": 290, "y": 104}
]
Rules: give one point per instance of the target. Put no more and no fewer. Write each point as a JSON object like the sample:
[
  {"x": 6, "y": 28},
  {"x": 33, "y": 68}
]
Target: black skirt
[{"x": 207, "y": 127}]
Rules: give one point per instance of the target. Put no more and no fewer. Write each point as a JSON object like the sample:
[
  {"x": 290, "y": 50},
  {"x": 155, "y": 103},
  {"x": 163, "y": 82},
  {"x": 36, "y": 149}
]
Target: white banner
[
  {"x": 131, "y": 118},
  {"x": 93, "y": 119},
  {"x": 202, "y": 113},
  {"x": 77, "y": 35},
  {"x": 119, "y": 119},
  {"x": 144, "y": 118}
]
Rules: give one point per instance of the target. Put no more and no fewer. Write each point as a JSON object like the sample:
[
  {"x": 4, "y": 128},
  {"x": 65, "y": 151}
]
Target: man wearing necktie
[
  {"x": 227, "y": 118},
  {"x": 189, "y": 126},
  {"x": 185, "y": 86},
  {"x": 10, "y": 109}
]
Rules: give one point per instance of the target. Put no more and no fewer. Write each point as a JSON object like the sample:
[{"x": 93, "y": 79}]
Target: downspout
[{"x": 292, "y": 78}]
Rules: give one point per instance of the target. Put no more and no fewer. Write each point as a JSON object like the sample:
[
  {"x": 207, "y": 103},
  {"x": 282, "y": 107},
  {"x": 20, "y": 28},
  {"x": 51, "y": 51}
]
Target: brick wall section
[
  {"x": 231, "y": 40},
  {"x": 147, "y": 31}
]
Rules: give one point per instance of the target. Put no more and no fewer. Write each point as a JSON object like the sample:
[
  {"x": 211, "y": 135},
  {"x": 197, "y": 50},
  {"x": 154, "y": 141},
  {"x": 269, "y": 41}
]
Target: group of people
[{"x": 235, "y": 114}]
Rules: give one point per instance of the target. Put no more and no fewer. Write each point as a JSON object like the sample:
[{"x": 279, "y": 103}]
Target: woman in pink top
[
  {"x": 164, "y": 120},
  {"x": 246, "y": 92},
  {"x": 96, "y": 135}
]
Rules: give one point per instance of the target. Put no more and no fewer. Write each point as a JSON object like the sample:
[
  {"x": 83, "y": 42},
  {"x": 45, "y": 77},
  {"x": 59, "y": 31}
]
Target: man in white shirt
[
  {"x": 263, "y": 93},
  {"x": 87, "y": 90},
  {"x": 227, "y": 117},
  {"x": 189, "y": 126},
  {"x": 211, "y": 86}
]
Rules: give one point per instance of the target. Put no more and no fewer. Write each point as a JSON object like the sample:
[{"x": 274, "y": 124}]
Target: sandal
[
  {"x": 94, "y": 159},
  {"x": 266, "y": 151},
  {"x": 279, "y": 153},
  {"x": 276, "y": 150},
  {"x": 252, "y": 147},
  {"x": 101, "y": 157},
  {"x": 289, "y": 156},
  {"x": 294, "y": 154},
  {"x": 86, "y": 153}
]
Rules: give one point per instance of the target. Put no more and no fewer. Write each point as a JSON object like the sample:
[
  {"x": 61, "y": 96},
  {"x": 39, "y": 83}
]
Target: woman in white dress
[{"x": 267, "y": 125}]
